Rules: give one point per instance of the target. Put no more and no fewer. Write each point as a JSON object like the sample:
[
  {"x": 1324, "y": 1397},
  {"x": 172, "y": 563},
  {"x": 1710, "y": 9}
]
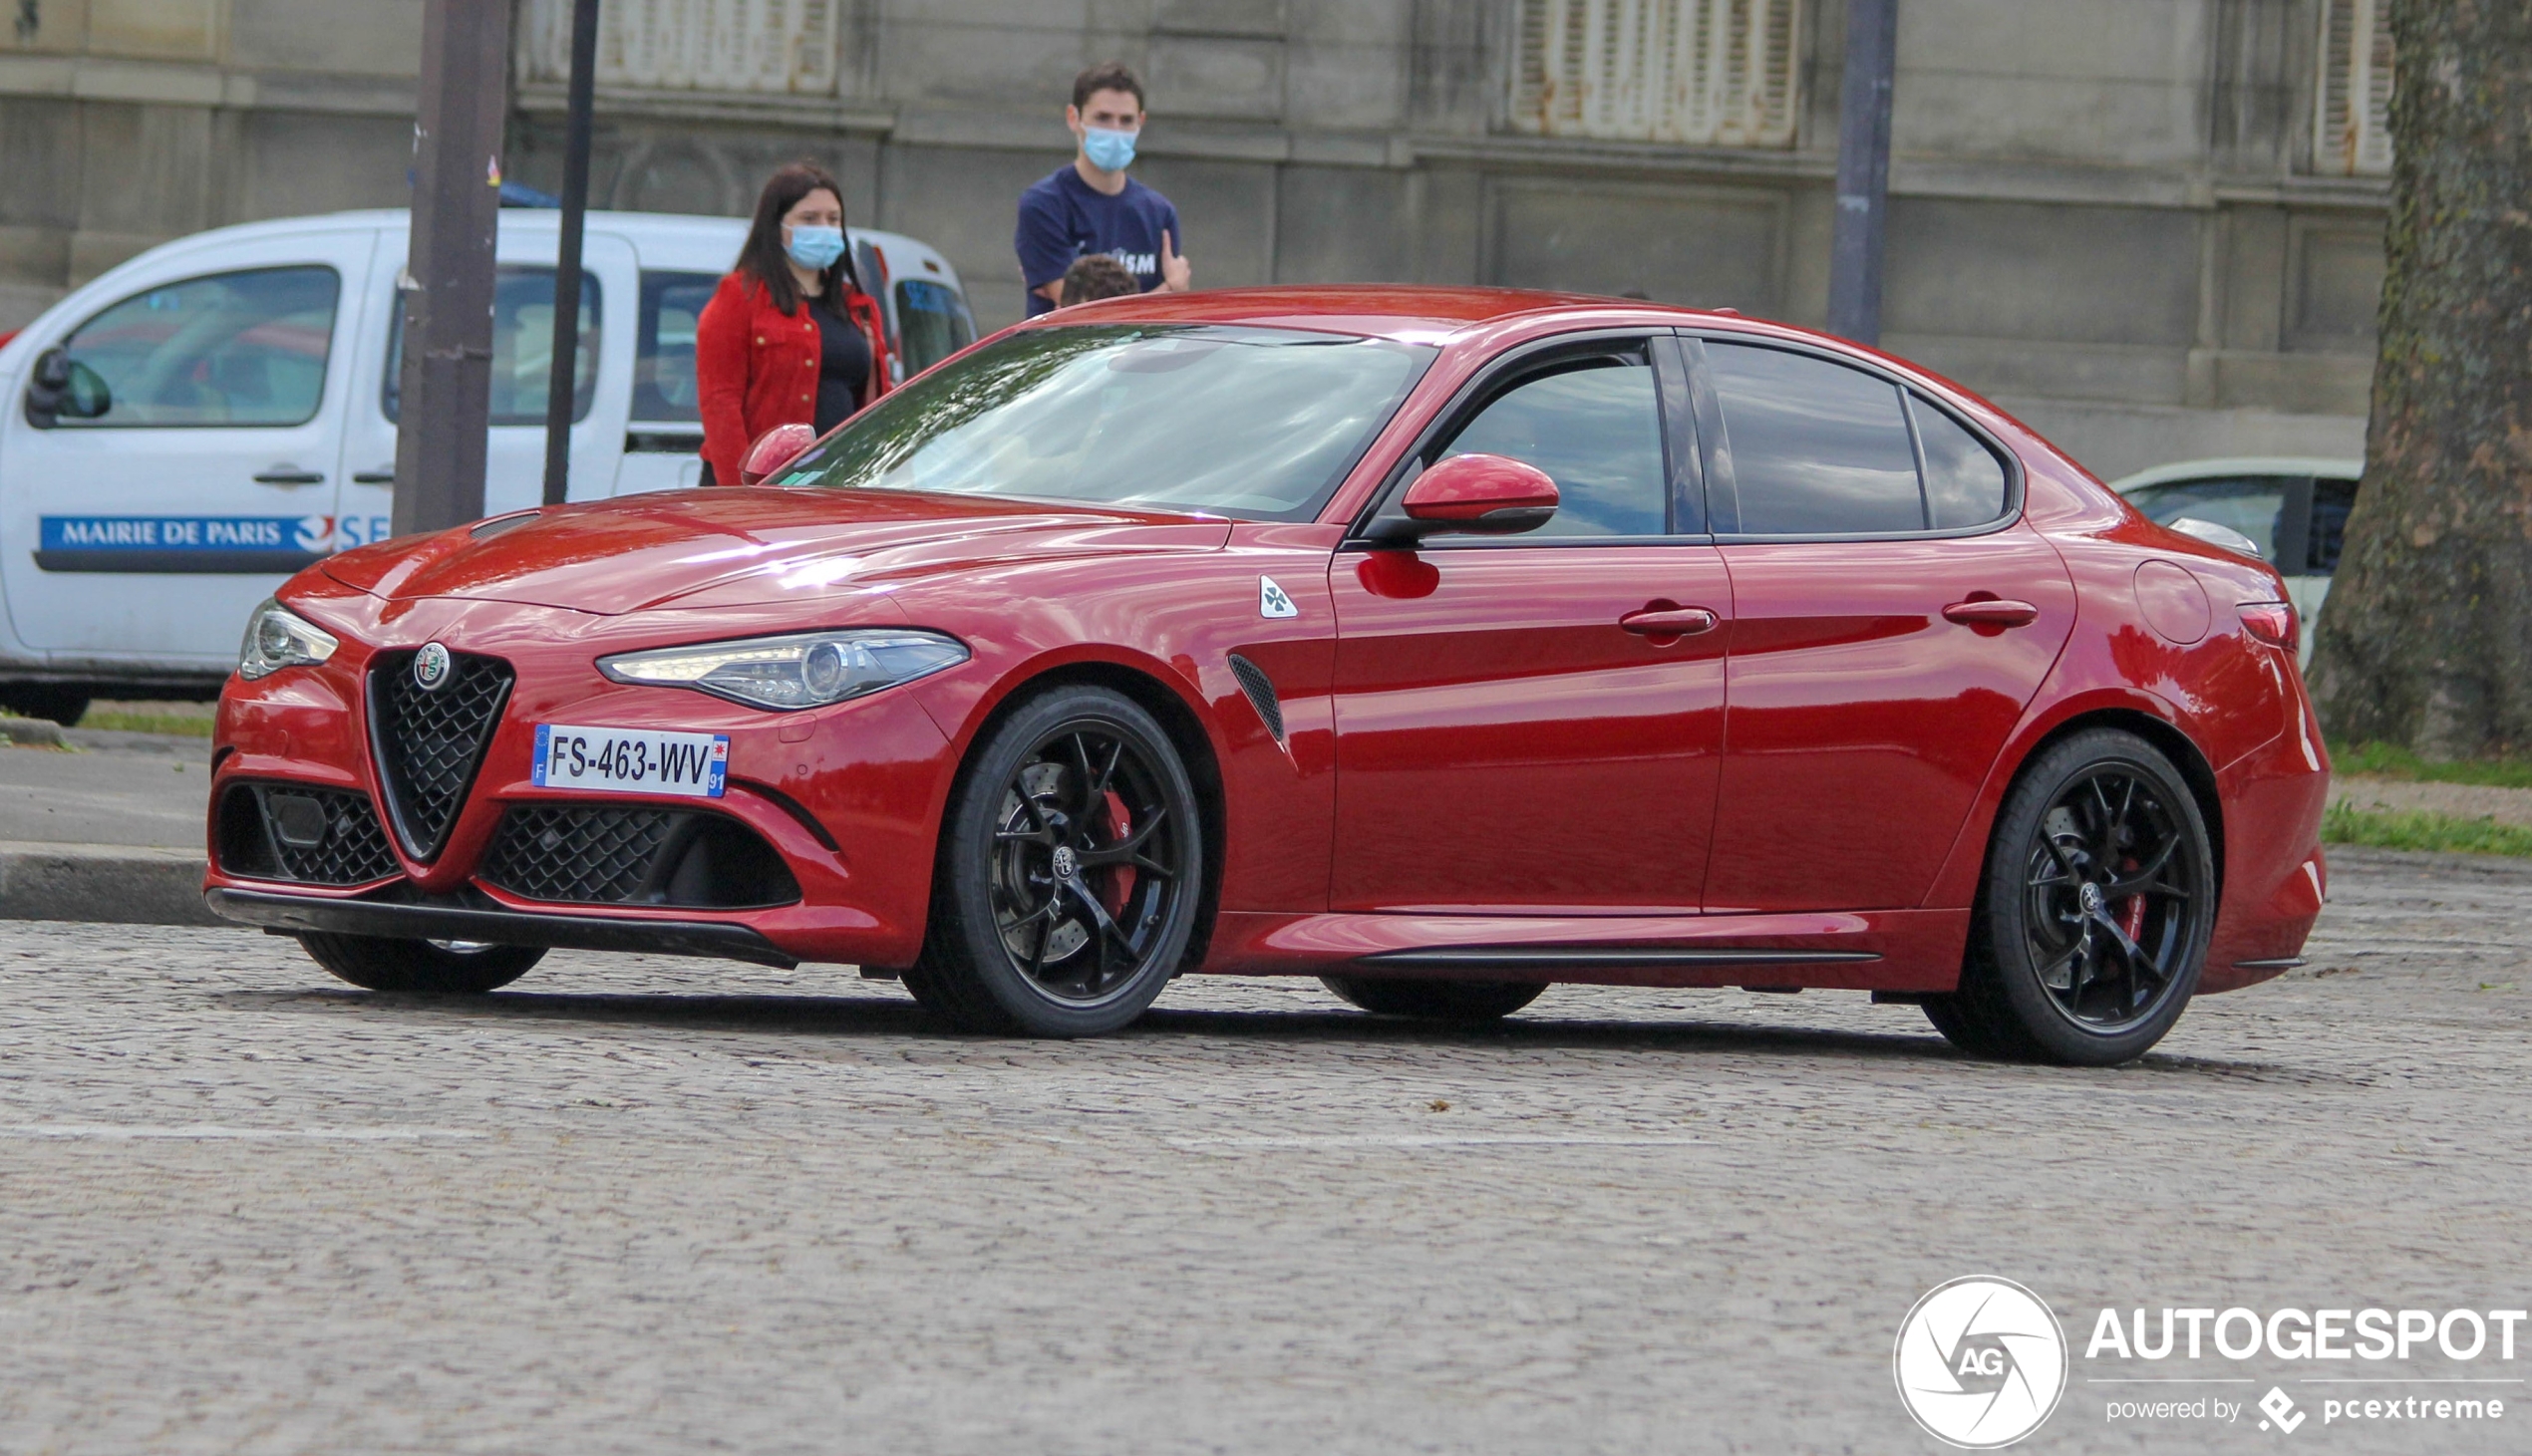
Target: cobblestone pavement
[{"x": 651, "y": 1205}]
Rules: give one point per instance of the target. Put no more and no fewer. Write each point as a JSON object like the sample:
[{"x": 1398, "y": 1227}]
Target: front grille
[
  {"x": 289, "y": 831},
  {"x": 595, "y": 854},
  {"x": 428, "y": 742}
]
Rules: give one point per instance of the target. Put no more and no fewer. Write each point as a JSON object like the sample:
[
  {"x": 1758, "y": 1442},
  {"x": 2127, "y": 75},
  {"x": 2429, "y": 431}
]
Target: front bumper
[{"x": 290, "y": 914}]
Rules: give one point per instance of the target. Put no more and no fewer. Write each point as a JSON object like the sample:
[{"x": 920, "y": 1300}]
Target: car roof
[
  {"x": 1417, "y": 313},
  {"x": 717, "y": 234},
  {"x": 2229, "y": 465}
]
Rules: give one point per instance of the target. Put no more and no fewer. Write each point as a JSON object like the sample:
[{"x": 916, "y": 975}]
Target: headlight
[
  {"x": 806, "y": 669},
  {"x": 279, "y": 638}
]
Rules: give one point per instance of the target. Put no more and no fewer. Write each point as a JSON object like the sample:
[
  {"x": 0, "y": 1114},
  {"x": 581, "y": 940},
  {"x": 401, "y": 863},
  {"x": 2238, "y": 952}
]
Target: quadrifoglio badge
[{"x": 1982, "y": 1363}]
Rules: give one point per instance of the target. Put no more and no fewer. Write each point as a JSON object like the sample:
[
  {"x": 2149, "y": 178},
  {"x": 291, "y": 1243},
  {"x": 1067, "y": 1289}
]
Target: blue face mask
[
  {"x": 815, "y": 248},
  {"x": 1107, "y": 151}
]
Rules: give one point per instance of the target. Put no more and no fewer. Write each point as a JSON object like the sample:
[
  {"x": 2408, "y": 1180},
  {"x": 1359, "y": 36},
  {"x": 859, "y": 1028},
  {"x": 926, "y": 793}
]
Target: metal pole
[
  {"x": 1863, "y": 170},
  {"x": 564, "y": 388},
  {"x": 444, "y": 397}
]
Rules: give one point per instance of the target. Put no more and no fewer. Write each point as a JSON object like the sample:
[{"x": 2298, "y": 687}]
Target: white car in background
[
  {"x": 2294, "y": 509},
  {"x": 200, "y": 421}
]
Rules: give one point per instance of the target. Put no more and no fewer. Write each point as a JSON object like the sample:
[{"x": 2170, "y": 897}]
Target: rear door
[
  {"x": 148, "y": 532},
  {"x": 1854, "y": 512}
]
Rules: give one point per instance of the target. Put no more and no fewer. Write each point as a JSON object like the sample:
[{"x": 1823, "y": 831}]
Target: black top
[{"x": 843, "y": 365}]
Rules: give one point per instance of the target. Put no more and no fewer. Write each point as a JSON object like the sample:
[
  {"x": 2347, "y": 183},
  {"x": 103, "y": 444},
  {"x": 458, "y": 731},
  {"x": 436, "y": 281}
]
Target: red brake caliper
[
  {"x": 2131, "y": 915},
  {"x": 1120, "y": 878}
]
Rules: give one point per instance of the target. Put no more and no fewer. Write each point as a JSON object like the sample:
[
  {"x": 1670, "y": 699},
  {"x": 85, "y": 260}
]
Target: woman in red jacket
[{"x": 789, "y": 338}]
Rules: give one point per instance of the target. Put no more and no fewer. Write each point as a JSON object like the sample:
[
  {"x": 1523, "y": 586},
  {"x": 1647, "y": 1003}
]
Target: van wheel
[
  {"x": 63, "y": 705},
  {"x": 418, "y": 967},
  {"x": 2092, "y": 921}
]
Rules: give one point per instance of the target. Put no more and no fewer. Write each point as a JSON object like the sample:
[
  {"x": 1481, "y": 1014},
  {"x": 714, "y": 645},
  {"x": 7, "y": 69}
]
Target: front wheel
[
  {"x": 2093, "y": 923},
  {"x": 1435, "y": 1000},
  {"x": 1071, "y": 862},
  {"x": 420, "y": 967}
]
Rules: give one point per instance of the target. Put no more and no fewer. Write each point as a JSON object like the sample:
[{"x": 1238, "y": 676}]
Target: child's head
[{"x": 1096, "y": 276}]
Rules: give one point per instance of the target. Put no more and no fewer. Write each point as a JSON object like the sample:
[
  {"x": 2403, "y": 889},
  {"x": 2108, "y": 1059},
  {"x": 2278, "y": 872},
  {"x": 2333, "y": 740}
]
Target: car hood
[{"x": 733, "y": 547}]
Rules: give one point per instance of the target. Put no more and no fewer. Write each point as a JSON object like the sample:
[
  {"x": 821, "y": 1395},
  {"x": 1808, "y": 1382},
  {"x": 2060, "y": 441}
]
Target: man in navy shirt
[{"x": 1091, "y": 206}]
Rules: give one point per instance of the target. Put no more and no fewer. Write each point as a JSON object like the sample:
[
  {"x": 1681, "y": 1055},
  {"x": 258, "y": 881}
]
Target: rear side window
[
  {"x": 1964, "y": 482},
  {"x": 1818, "y": 449},
  {"x": 245, "y": 348},
  {"x": 1596, "y": 429},
  {"x": 522, "y": 348},
  {"x": 664, "y": 358},
  {"x": 932, "y": 323}
]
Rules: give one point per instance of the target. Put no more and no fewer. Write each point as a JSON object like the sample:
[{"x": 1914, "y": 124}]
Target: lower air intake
[{"x": 593, "y": 854}]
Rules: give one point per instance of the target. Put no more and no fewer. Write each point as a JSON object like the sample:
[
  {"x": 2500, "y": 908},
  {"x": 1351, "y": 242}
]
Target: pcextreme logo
[{"x": 1979, "y": 1362}]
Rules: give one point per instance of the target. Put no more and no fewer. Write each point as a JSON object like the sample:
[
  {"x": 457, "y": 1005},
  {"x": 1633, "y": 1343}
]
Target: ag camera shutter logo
[{"x": 1979, "y": 1362}]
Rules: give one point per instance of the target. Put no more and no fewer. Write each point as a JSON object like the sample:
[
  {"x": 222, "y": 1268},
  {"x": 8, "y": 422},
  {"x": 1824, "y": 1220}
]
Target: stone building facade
[{"x": 2152, "y": 227}]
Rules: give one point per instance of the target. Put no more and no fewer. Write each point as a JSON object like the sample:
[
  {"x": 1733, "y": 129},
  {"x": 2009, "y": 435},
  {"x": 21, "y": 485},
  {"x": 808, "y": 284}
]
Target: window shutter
[
  {"x": 760, "y": 46},
  {"x": 1697, "y": 72},
  {"x": 2352, "y": 122}
]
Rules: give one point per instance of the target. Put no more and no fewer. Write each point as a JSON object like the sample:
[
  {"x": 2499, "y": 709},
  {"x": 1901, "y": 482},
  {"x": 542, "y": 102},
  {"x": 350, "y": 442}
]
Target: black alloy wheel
[
  {"x": 2094, "y": 920},
  {"x": 1071, "y": 863},
  {"x": 1435, "y": 1000},
  {"x": 420, "y": 968}
]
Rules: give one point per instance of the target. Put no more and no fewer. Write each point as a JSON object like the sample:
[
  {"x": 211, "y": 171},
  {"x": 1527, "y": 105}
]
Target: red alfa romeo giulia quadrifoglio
[{"x": 1442, "y": 643}]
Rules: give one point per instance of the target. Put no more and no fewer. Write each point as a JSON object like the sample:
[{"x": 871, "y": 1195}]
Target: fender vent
[{"x": 1260, "y": 690}]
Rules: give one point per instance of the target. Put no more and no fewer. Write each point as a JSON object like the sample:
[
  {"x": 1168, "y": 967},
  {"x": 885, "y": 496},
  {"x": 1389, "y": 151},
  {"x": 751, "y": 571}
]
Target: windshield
[{"x": 1259, "y": 424}]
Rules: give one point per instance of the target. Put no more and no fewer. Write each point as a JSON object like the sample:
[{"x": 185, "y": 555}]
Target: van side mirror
[
  {"x": 1477, "y": 494},
  {"x": 773, "y": 450},
  {"x": 60, "y": 388}
]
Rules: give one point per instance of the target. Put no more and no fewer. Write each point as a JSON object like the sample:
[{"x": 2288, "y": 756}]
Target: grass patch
[
  {"x": 2416, "y": 829},
  {"x": 2389, "y": 760},
  {"x": 183, "y": 720}
]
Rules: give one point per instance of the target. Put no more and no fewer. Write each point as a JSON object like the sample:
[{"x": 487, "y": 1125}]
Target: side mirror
[
  {"x": 773, "y": 450},
  {"x": 1491, "y": 495},
  {"x": 2215, "y": 535},
  {"x": 60, "y": 388}
]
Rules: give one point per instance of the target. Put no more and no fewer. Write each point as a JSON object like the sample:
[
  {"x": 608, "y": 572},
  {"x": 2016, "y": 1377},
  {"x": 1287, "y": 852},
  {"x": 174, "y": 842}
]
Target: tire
[
  {"x": 418, "y": 968},
  {"x": 53, "y": 700},
  {"x": 1435, "y": 1000},
  {"x": 1071, "y": 866},
  {"x": 2063, "y": 966}
]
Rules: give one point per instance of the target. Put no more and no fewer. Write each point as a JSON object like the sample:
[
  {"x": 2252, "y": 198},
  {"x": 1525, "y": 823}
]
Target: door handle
[
  {"x": 289, "y": 476},
  {"x": 1989, "y": 612},
  {"x": 1669, "y": 621},
  {"x": 385, "y": 476}
]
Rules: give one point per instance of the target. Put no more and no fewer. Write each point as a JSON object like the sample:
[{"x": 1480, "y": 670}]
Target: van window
[
  {"x": 522, "y": 348},
  {"x": 2250, "y": 504},
  {"x": 932, "y": 323},
  {"x": 1818, "y": 449},
  {"x": 664, "y": 358},
  {"x": 245, "y": 348},
  {"x": 2332, "y": 501}
]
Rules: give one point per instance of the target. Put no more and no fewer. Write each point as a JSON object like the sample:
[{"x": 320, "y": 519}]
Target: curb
[
  {"x": 120, "y": 884},
  {"x": 31, "y": 733}
]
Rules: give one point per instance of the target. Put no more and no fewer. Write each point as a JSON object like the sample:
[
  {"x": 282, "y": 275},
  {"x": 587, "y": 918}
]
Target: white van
[{"x": 217, "y": 412}]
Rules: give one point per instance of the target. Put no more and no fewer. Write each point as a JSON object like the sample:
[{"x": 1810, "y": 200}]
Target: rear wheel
[
  {"x": 422, "y": 967},
  {"x": 2093, "y": 923},
  {"x": 1071, "y": 861},
  {"x": 1435, "y": 1000},
  {"x": 63, "y": 705}
]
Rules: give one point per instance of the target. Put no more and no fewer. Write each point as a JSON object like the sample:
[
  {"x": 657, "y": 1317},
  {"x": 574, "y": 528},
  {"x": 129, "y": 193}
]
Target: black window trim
[
  {"x": 325, "y": 379},
  {"x": 1682, "y": 460},
  {"x": 1722, "y": 490}
]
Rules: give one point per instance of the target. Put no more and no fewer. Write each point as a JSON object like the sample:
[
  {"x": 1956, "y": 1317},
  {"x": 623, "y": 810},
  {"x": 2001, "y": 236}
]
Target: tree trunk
[{"x": 2427, "y": 637}]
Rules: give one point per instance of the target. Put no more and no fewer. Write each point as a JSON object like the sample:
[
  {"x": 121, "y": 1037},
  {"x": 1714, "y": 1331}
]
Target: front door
[
  {"x": 1863, "y": 718},
  {"x": 1506, "y": 742},
  {"x": 147, "y": 531}
]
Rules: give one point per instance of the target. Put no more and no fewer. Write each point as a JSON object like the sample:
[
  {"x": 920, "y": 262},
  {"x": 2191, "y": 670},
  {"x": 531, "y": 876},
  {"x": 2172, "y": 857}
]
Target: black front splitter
[{"x": 288, "y": 913}]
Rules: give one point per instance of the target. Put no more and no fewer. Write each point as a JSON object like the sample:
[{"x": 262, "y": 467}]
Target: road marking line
[
  {"x": 117, "y": 1132},
  {"x": 1410, "y": 1140}
]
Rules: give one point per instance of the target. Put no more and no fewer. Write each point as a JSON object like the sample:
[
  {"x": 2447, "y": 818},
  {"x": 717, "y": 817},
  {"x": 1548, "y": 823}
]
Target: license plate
[{"x": 631, "y": 760}]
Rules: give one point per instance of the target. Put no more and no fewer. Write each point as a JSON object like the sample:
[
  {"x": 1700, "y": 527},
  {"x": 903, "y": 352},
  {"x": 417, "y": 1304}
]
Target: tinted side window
[
  {"x": 2331, "y": 500},
  {"x": 2250, "y": 505},
  {"x": 664, "y": 354},
  {"x": 1597, "y": 430},
  {"x": 932, "y": 323},
  {"x": 522, "y": 348},
  {"x": 245, "y": 348},
  {"x": 1964, "y": 482},
  {"x": 1818, "y": 449}
]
